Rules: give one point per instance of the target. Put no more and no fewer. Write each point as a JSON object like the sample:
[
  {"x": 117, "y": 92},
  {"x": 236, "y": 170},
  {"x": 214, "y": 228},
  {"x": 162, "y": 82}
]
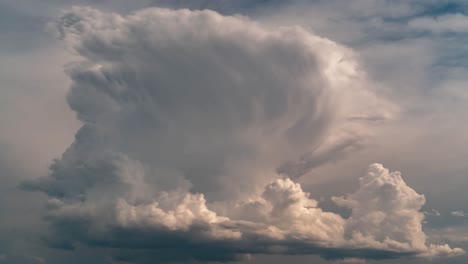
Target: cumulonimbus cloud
[{"x": 194, "y": 128}]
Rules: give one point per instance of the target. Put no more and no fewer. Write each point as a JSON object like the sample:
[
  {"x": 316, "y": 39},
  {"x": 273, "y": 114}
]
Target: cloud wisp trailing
[{"x": 196, "y": 126}]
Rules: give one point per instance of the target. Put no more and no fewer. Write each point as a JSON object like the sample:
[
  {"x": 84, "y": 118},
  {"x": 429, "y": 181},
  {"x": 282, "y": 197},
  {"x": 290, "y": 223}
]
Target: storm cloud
[{"x": 196, "y": 126}]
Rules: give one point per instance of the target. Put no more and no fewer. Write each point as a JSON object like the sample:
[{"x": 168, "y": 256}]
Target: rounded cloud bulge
[{"x": 196, "y": 127}]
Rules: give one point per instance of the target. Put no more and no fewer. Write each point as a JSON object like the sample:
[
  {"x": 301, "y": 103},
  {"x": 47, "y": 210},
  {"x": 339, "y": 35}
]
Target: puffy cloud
[
  {"x": 195, "y": 125},
  {"x": 288, "y": 207},
  {"x": 178, "y": 89},
  {"x": 385, "y": 223},
  {"x": 386, "y": 214},
  {"x": 385, "y": 211}
]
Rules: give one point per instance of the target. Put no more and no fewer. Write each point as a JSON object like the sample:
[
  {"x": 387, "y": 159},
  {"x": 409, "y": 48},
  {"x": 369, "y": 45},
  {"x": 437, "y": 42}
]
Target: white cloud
[
  {"x": 268, "y": 97},
  {"x": 386, "y": 213},
  {"x": 187, "y": 109},
  {"x": 419, "y": 154},
  {"x": 385, "y": 220}
]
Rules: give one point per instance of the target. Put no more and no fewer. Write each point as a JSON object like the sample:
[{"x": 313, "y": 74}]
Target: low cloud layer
[{"x": 196, "y": 127}]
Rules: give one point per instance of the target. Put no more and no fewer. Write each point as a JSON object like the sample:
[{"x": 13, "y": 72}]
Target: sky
[{"x": 233, "y": 131}]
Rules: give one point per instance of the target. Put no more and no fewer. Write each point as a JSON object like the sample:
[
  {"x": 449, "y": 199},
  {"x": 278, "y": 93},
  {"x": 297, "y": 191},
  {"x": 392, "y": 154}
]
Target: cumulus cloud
[
  {"x": 385, "y": 211},
  {"x": 195, "y": 126},
  {"x": 269, "y": 98},
  {"x": 386, "y": 214}
]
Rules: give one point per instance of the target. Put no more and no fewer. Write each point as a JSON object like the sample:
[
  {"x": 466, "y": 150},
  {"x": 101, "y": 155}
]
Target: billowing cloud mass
[{"x": 196, "y": 127}]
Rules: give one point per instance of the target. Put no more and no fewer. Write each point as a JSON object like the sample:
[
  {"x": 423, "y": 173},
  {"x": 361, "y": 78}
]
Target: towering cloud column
[{"x": 184, "y": 109}]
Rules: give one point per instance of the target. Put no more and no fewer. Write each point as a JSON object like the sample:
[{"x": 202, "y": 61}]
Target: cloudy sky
[{"x": 233, "y": 131}]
